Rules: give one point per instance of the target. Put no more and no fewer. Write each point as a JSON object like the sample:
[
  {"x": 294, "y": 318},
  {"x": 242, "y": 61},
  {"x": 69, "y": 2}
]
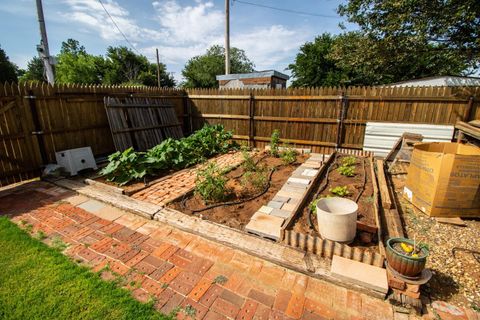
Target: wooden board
[{"x": 141, "y": 123}]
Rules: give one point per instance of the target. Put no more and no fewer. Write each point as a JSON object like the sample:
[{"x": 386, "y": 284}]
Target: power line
[
  {"x": 285, "y": 10},
  {"x": 113, "y": 21}
]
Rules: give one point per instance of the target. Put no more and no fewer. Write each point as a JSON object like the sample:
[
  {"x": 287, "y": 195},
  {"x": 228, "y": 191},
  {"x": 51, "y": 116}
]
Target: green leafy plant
[
  {"x": 248, "y": 162},
  {"x": 129, "y": 165},
  {"x": 256, "y": 179},
  {"x": 340, "y": 191},
  {"x": 348, "y": 171},
  {"x": 289, "y": 155},
  {"x": 124, "y": 166},
  {"x": 274, "y": 143},
  {"x": 349, "y": 161},
  {"x": 313, "y": 205},
  {"x": 210, "y": 184}
]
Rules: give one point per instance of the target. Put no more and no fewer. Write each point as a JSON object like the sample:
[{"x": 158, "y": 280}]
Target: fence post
[
  {"x": 37, "y": 127},
  {"x": 341, "y": 119},
  {"x": 468, "y": 112},
  {"x": 251, "y": 115}
]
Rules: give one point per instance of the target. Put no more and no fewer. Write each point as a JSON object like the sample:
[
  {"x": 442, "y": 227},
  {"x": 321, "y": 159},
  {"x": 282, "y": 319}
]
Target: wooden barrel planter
[{"x": 405, "y": 265}]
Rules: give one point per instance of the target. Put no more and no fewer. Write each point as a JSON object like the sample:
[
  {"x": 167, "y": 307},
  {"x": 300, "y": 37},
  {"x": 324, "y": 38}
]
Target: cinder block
[
  {"x": 265, "y": 225},
  {"x": 275, "y": 204},
  {"x": 265, "y": 209},
  {"x": 305, "y": 182},
  {"x": 281, "y": 213},
  {"x": 280, "y": 198},
  {"x": 363, "y": 274}
]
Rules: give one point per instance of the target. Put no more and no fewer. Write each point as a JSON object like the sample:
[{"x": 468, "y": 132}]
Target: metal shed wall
[{"x": 381, "y": 136}]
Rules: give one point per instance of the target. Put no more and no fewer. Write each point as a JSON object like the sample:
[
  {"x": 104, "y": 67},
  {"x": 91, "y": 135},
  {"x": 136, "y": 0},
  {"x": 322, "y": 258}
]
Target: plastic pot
[
  {"x": 402, "y": 263},
  {"x": 337, "y": 219}
]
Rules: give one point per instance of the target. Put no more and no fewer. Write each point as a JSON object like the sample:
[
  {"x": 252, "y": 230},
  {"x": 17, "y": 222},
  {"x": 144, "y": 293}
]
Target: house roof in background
[
  {"x": 256, "y": 74},
  {"x": 448, "y": 81}
]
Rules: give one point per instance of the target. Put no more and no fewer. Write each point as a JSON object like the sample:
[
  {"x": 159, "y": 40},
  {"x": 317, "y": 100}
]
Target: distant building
[
  {"x": 254, "y": 80},
  {"x": 439, "y": 81}
]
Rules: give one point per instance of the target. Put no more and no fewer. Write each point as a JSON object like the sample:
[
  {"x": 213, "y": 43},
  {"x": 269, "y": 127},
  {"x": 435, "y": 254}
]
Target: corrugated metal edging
[{"x": 381, "y": 136}]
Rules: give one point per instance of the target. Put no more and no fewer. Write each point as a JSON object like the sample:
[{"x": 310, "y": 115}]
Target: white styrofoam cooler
[{"x": 74, "y": 160}]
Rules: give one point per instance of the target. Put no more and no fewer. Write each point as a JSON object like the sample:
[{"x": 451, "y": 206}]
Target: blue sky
[{"x": 180, "y": 29}]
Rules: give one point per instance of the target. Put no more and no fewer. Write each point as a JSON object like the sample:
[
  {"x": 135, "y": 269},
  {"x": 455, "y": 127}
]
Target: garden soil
[{"x": 237, "y": 216}]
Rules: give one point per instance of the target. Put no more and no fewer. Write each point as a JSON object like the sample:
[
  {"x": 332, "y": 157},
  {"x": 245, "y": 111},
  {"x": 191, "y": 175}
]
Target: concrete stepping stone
[
  {"x": 92, "y": 206},
  {"x": 275, "y": 204},
  {"x": 310, "y": 172},
  {"x": 363, "y": 274},
  {"x": 265, "y": 209},
  {"x": 281, "y": 213},
  {"x": 279, "y": 198},
  {"x": 265, "y": 225},
  {"x": 289, "y": 206},
  {"x": 305, "y": 182}
]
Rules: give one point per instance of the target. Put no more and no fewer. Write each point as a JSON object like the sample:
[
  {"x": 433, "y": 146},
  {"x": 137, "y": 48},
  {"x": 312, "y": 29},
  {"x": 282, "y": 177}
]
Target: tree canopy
[
  {"x": 201, "y": 71},
  {"x": 120, "y": 66},
  {"x": 397, "y": 40},
  {"x": 8, "y": 70}
]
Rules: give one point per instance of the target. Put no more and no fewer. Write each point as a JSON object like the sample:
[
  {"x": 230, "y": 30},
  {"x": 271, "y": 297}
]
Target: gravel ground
[{"x": 456, "y": 279}]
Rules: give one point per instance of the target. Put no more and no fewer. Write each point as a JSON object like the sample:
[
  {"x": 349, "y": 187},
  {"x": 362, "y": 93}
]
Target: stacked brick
[{"x": 183, "y": 181}]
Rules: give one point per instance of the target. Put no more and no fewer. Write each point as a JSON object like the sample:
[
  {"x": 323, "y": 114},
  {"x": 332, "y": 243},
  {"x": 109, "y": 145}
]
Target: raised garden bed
[
  {"x": 359, "y": 185},
  {"x": 241, "y": 190}
]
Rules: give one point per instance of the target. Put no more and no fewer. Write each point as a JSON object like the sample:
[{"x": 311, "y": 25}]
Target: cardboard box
[{"x": 444, "y": 179}]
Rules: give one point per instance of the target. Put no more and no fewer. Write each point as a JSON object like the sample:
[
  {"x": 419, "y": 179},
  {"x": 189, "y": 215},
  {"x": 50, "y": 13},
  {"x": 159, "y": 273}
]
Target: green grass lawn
[{"x": 38, "y": 282}]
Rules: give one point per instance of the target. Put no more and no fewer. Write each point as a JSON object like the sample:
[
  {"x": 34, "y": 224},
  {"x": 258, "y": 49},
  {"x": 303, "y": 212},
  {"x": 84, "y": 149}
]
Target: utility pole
[
  {"x": 158, "y": 69},
  {"x": 227, "y": 37},
  {"x": 42, "y": 48}
]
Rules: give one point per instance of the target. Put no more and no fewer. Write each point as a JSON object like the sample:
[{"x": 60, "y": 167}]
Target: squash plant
[{"x": 170, "y": 154}]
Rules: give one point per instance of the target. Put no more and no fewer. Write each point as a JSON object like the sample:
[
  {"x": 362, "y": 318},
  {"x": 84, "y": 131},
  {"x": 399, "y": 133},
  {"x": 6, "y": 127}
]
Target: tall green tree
[
  {"x": 450, "y": 26},
  {"x": 314, "y": 65},
  {"x": 35, "y": 71},
  {"x": 8, "y": 70},
  {"x": 123, "y": 66},
  {"x": 201, "y": 71},
  {"x": 75, "y": 65}
]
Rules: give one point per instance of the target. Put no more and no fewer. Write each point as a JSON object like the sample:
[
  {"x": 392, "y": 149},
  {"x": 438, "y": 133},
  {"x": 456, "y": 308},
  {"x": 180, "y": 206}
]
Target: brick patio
[{"x": 179, "y": 269}]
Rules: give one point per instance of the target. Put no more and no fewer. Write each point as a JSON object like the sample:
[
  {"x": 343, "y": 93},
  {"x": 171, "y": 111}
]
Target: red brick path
[{"x": 177, "y": 269}]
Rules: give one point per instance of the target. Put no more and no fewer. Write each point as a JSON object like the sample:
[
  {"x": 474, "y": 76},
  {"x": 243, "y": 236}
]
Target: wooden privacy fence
[{"x": 36, "y": 120}]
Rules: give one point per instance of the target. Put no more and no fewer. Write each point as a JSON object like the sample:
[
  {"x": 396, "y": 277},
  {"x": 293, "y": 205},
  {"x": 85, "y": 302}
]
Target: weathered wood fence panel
[{"x": 36, "y": 120}]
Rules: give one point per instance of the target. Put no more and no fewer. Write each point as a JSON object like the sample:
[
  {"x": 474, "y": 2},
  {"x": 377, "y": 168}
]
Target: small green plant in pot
[{"x": 406, "y": 256}]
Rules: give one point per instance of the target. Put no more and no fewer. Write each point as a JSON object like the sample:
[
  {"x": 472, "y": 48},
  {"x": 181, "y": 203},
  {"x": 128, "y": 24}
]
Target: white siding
[{"x": 381, "y": 136}]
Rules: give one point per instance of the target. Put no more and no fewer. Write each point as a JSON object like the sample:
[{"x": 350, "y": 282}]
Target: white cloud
[
  {"x": 91, "y": 14},
  {"x": 270, "y": 45},
  {"x": 199, "y": 23},
  {"x": 185, "y": 31}
]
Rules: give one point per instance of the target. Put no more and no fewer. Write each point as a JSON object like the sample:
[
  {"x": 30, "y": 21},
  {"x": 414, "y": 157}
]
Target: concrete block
[
  {"x": 363, "y": 274},
  {"x": 265, "y": 225},
  {"x": 281, "y": 213},
  {"x": 310, "y": 172},
  {"x": 305, "y": 182},
  {"x": 265, "y": 209},
  {"x": 300, "y": 187},
  {"x": 279, "y": 198},
  {"x": 289, "y": 207},
  {"x": 275, "y": 204},
  {"x": 92, "y": 206}
]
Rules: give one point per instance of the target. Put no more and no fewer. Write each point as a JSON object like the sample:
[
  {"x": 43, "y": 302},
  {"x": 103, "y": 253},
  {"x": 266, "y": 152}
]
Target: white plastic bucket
[{"x": 337, "y": 219}]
